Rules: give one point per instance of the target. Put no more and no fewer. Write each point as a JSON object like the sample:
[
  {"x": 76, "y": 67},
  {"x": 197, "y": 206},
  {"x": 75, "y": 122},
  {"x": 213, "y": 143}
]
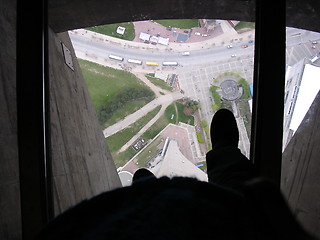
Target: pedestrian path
[{"x": 165, "y": 99}]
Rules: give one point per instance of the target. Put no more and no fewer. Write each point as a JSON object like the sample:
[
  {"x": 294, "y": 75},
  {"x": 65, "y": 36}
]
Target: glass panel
[{"x": 156, "y": 85}]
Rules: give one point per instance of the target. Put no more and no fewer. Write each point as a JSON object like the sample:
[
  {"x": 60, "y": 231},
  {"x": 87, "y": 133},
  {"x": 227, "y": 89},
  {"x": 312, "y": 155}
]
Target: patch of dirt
[{"x": 188, "y": 111}]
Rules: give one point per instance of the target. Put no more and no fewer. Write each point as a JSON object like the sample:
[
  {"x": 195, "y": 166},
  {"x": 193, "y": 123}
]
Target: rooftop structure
[
  {"x": 174, "y": 164},
  {"x": 302, "y": 86}
]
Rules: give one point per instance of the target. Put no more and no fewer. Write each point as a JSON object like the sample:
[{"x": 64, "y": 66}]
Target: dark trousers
[{"x": 227, "y": 166}]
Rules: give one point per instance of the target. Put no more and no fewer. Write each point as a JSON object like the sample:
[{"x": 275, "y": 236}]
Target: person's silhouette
[{"x": 226, "y": 207}]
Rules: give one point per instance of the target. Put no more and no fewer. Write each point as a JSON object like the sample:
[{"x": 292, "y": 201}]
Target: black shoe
[
  {"x": 224, "y": 131},
  {"x": 142, "y": 173}
]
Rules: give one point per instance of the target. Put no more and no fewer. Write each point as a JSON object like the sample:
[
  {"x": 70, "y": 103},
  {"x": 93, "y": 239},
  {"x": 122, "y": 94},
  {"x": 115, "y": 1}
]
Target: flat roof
[
  {"x": 309, "y": 88},
  {"x": 175, "y": 164},
  {"x": 144, "y": 36}
]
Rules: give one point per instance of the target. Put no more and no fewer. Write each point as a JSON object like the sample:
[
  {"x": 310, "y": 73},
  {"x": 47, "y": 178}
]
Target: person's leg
[{"x": 226, "y": 165}]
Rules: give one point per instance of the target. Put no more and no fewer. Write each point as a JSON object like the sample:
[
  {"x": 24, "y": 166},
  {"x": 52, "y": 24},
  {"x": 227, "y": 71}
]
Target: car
[
  {"x": 185, "y": 53},
  {"x": 251, "y": 41},
  {"x": 229, "y": 46},
  {"x": 197, "y": 34},
  {"x": 233, "y": 55},
  {"x": 204, "y": 35},
  {"x": 314, "y": 42},
  {"x": 244, "y": 46}
]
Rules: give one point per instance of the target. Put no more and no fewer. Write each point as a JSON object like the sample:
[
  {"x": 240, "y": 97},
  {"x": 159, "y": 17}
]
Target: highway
[{"x": 202, "y": 56}]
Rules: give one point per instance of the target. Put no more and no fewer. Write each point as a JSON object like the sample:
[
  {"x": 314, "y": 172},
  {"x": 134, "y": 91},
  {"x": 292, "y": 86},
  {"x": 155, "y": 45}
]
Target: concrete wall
[
  {"x": 82, "y": 164},
  {"x": 300, "y": 171},
  {"x": 10, "y": 225}
]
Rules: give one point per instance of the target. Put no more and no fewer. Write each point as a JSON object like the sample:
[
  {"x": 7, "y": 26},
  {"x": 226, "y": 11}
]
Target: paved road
[
  {"x": 164, "y": 99},
  {"x": 103, "y": 49},
  {"x": 296, "y": 36}
]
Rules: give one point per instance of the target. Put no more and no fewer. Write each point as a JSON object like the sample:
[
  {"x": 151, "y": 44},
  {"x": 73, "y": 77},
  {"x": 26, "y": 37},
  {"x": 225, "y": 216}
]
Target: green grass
[
  {"x": 148, "y": 152},
  {"x": 216, "y": 98},
  {"x": 242, "y": 25},
  {"x": 122, "y": 158},
  {"x": 246, "y": 88},
  {"x": 245, "y": 113},
  {"x": 128, "y": 108},
  {"x": 182, "y": 117},
  {"x": 158, "y": 82},
  {"x": 175, "y": 109},
  {"x": 117, "y": 140},
  {"x": 111, "y": 30},
  {"x": 199, "y": 137},
  {"x": 204, "y": 167},
  {"x": 105, "y": 83},
  {"x": 206, "y": 128},
  {"x": 160, "y": 124},
  {"x": 179, "y": 23}
]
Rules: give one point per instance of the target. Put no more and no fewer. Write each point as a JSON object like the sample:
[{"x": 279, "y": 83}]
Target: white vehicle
[
  {"x": 229, "y": 46},
  {"x": 185, "y": 53},
  {"x": 315, "y": 58},
  {"x": 233, "y": 55},
  {"x": 197, "y": 34},
  {"x": 134, "y": 61},
  {"x": 169, "y": 64},
  {"x": 204, "y": 35},
  {"x": 116, "y": 58}
]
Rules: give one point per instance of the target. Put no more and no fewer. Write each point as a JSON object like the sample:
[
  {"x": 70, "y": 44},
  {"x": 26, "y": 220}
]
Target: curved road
[{"x": 104, "y": 49}]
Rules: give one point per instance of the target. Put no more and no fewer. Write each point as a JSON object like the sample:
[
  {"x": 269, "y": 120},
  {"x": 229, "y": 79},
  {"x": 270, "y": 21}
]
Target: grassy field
[
  {"x": 216, "y": 98},
  {"x": 117, "y": 140},
  {"x": 111, "y": 30},
  {"x": 243, "y": 25},
  {"x": 179, "y": 23},
  {"x": 105, "y": 83},
  {"x": 158, "y": 82},
  {"x": 148, "y": 152},
  {"x": 173, "y": 114}
]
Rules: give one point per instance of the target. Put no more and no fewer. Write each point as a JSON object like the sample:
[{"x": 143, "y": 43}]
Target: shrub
[
  {"x": 246, "y": 89},
  {"x": 216, "y": 98},
  {"x": 129, "y": 94}
]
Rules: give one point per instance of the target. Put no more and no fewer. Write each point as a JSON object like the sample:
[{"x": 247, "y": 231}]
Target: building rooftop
[
  {"x": 175, "y": 164},
  {"x": 309, "y": 88}
]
